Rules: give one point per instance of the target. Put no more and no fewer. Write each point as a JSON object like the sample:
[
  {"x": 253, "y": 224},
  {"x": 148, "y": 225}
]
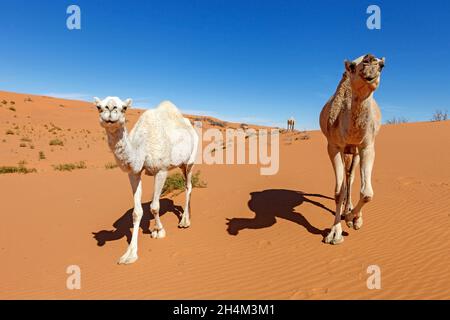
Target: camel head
[
  {"x": 365, "y": 73},
  {"x": 112, "y": 112}
]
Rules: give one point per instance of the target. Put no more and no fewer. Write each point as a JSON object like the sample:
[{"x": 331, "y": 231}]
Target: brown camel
[{"x": 350, "y": 120}]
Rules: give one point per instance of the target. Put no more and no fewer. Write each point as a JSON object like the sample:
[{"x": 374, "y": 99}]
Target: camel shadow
[
  {"x": 268, "y": 205},
  {"x": 124, "y": 224}
]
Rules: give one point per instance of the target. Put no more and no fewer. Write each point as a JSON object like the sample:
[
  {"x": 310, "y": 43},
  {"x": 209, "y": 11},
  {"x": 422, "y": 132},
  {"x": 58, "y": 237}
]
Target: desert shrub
[
  {"x": 70, "y": 166},
  {"x": 397, "y": 120},
  {"x": 303, "y": 136},
  {"x": 216, "y": 123},
  {"x": 42, "y": 155},
  {"x": 176, "y": 182},
  {"x": 440, "y": 115},
  {"x": 19, "y": 169},
  {"x": 56, "y": 142},
  {"x": 244, "y": 126},
  {"x": 25, "y": 139},
  {"x": 53, "y": 128},
  {"x": 9, "y": 132},
  {"x": 7, "y": 169},
  {"x": 22, "y": 145},
  {"x": 111, "y": 165}
]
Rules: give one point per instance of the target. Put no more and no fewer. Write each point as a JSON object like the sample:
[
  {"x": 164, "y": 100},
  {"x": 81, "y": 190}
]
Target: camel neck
[
  {"x": 119, "y": 135},
  {"x": 359, "y": 102},
  {"x": 120, "y": 144}
]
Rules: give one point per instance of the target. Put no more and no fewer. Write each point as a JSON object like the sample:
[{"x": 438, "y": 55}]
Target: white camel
[
  {"x": 162, "y": 139},
  {"x": 350, "y": 120}
]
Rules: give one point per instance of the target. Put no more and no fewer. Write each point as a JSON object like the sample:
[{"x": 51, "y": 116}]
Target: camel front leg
[
  {"x": 367, "y": 160},
  {"x": 185, "y": 221},
  {"x": 160, "y": 178},
  {"x": 350, "y": 179},
  {"x": 338, "y": 166},
  {"x": 130, "y": 255},
  {"x": 336, "y": 156}
]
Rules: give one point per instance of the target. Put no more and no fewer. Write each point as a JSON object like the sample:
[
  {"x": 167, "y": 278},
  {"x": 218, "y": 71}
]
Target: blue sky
[{"x": 247, "y": 61}]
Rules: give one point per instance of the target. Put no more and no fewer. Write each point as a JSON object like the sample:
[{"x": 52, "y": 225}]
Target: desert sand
[{"x": 252, "y": 236}]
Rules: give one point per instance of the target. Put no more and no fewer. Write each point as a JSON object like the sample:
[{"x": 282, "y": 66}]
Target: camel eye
[{"x": 99, "y": 108}]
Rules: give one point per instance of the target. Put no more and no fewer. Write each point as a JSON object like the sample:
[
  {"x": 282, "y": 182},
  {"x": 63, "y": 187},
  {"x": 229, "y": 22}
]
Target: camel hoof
[
  {"x": 329, "y": 238},
  {"x": 128, "y": 258},
  {"x": 184, "y": 223},
  {"x": 334, "y": 237},
  {"x": 357, "y": 223},
  {"x": 158, "y": 234},
  {"x": 337, "y": 240},
  {"x": 349, "y": 218}
]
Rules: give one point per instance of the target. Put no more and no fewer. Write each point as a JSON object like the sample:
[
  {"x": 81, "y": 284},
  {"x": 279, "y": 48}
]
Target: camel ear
[
  {"x": 381, "y": 63},
  {"x": 97, "y": 103},
  {"x": 127, "y": 104},
  {"x": 350, "y": 66}
]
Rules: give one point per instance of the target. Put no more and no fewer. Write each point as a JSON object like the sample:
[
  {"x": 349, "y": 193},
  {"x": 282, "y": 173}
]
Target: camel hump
[
  {"x": 168, "y": 111},
  {"x": 168, "y": 106}
]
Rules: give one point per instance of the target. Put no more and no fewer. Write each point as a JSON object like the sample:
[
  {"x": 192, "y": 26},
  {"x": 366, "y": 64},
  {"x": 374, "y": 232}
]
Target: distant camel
[
  {"x": 161, "y": 140},
  {"x": 290, "y": 124},
  {"x": 350, "y": 121}
]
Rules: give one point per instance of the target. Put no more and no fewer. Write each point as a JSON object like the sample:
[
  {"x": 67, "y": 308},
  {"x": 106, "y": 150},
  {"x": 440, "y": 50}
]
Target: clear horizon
[{"x": 258, "y": 62}]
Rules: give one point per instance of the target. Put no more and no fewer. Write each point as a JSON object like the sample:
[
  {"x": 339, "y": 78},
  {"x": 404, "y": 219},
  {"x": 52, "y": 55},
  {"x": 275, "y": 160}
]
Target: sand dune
[{"x": 252, "y": 236}]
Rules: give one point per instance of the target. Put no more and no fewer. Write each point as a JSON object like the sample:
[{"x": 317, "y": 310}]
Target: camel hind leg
[
  {"x": 352, "y": 162},
  {"x": 185, "y": 221},
  {"x": 160, "y": 178},
  {"x": 367, "y": 160}
]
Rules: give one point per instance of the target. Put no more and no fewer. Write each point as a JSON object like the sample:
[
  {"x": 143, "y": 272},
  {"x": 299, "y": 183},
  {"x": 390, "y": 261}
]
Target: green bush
[{"x": 176, "y": 182}]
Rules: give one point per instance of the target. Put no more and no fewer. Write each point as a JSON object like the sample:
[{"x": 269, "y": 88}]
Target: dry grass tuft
[{"x": 70, "y": 166}]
